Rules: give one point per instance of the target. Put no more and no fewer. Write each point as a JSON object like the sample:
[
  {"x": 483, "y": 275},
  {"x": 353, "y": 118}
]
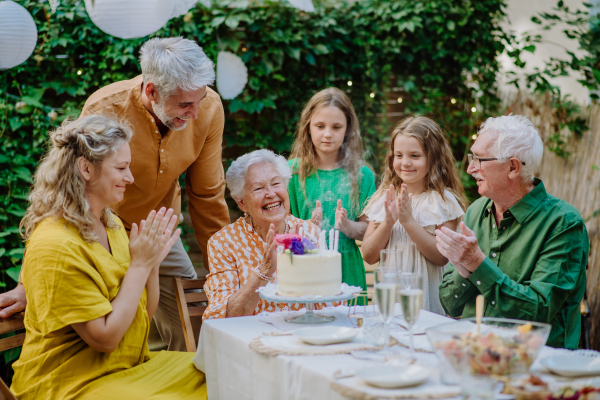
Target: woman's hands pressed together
[{"x": 150, "y": 243}]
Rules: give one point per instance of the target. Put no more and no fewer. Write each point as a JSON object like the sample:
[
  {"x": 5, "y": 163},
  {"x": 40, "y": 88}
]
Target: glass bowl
[{"x": 505, "y": 347}]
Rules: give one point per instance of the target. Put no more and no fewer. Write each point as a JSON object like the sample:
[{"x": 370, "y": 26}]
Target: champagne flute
[
  {"x": 412, "y": 302},
  {"x": 385, "y": 296}
]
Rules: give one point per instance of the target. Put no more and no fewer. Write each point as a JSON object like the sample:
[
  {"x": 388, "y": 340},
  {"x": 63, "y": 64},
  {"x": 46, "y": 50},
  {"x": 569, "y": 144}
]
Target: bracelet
[{"x": 261, "y": 275}]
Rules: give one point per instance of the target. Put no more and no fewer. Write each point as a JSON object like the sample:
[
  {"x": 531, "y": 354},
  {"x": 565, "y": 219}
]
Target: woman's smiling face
[{"x": 265, "y": 196}]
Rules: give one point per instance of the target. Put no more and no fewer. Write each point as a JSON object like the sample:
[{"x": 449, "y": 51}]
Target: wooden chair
[
  {"x": 187, "y": 311},
  {"x": 8, "y": 343}
]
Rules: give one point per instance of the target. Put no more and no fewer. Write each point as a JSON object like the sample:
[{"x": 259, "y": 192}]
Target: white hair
[
  {"x": 515, "y": 136},
  {"x": 175, "y": 63},
  {"x": 236, "y": 174}
]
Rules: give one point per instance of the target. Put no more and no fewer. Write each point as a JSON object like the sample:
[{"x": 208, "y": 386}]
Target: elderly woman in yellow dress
[
  {"x": 243, "y": 255},
  {"x": 91, "y": 290}
]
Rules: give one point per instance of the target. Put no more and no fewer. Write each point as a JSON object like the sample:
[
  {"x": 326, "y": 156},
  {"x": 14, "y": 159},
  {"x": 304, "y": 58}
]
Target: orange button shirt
[{"x": 157, "y": 161}]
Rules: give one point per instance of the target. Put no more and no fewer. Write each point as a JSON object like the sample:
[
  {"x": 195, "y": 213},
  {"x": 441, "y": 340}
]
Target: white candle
[
  {"x": 331, "y": 234},
  {"x": 336, "y": 240}
]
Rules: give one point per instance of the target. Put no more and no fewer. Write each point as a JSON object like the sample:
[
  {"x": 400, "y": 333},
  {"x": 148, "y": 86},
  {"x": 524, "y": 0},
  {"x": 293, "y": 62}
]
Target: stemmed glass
[
  {"x": 400, "y": 260},
  {"x": 411, "y": 296},
  {"x": 385, "y": 297}
]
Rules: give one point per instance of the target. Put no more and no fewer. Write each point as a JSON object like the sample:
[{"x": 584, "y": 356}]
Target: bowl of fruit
[{"x": 499, "y": 346}]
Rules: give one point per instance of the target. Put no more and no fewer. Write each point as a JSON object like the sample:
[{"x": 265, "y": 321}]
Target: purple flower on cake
[
  {"x": 308, "y": 245},
  {"x": 296, "y": 247}
]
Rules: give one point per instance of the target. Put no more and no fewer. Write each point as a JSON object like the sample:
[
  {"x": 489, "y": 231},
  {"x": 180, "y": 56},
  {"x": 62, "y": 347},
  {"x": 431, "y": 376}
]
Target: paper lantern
[
  {"x": 128, "y": 19},
  {"x": 232, "y": 75},
  {"x": 181, "y": 7},
  {"x": 18, "y": 34},
  {"x": 304, "y": 5}
]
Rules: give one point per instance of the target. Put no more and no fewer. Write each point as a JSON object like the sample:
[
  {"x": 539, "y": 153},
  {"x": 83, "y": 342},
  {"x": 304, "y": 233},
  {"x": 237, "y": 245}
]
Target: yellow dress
[{"x": 67, "y": 281}]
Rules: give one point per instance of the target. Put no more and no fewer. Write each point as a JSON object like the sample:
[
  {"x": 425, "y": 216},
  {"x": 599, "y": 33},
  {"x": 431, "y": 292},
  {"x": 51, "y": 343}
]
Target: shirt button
[
  {"x": 464, "y": 285},
  {"x": 493, "y": 302},
  {"x": 493, "y": 225},
  {"x": 456, "y": 296},
  {"x": 156, "y": 131},
  {"x": 479, "y": 282},
  {"x": 161, "y": 171},
  {"x": 493, "y": 255},
  {"x": 162, "y": 150}
]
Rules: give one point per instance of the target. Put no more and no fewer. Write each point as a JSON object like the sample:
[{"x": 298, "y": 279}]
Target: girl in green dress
[{"x": 331, "y": 184}]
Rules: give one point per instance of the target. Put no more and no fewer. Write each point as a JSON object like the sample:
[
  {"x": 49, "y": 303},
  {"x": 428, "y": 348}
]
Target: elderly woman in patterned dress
[{"x": 243, "y": 255}]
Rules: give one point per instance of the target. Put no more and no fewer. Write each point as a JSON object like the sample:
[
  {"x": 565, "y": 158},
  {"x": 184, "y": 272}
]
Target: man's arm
[
  {"x": 205, "y": 185},
  {"x": 455, "y": 292},
  {"x": 555, "y": 276}
]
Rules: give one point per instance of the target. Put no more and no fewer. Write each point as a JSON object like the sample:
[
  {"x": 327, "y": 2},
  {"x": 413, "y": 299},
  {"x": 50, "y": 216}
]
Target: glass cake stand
[{"x": 269, "y": 293}]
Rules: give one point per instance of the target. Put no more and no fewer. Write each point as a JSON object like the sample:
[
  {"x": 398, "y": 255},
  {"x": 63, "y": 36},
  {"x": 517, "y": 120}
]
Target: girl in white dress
[{"x": 420, "y": 192}]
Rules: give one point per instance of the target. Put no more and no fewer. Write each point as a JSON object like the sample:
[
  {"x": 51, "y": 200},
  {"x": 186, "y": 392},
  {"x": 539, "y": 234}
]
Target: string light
[
  {"x": 349, "y": 83},
  {"x": 453, "y": 101},
  {"x": 474, "y": 137},
  {"x": 244, "y": 49},
  {"x": 79, "y": 72},
  {"x": 473, "y": 109},
  {"x": 372, "y": 95},
  {"x": 399, "y": 99}
]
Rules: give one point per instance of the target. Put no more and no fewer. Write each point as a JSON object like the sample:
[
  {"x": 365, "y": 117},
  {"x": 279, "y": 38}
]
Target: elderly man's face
[
  {"x": 265, "y": 196},
  {"x": 175, "y": 110},
  {"x": 492, "y": 177}
]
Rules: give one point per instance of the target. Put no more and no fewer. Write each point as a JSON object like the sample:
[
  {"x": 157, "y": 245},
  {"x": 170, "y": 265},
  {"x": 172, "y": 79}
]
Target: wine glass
[
  {"x": 411, "y": 296},
  {"x": 385, "y": 297},
  {"x": 358, "y": 308}
]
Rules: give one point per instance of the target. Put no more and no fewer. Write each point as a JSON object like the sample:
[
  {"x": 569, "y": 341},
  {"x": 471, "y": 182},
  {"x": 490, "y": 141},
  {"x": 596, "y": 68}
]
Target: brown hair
[
  {"x": 350, "y": 154},
  {"x": 58, "y": 188},
  {"x": 442, "y": 173}
]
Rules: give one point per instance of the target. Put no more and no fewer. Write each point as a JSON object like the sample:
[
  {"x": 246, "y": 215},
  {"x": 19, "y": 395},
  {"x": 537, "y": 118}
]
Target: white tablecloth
[{"x": 234, "y": 371}]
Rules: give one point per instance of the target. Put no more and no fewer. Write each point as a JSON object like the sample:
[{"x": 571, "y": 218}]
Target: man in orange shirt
[{"x": 178, "y": 127}]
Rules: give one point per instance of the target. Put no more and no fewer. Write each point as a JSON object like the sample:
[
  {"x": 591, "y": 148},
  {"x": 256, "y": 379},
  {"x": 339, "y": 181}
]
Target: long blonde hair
[
  {"x": 58, "y": 188},
  {"x": 350, "y": 154},
  {"x": 442, "y": 173}
]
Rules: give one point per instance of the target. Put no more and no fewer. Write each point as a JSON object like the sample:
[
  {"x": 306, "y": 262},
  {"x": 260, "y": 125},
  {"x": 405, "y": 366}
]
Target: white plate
[
  {"x": 389, "y": 376},
  {"x": 326, "y": 334},
  {"x": 573, "y": 365}
]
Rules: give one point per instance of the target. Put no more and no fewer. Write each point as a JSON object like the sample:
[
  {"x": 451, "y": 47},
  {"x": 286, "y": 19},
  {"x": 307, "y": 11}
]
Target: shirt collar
[{"x": 524, "y": 207}]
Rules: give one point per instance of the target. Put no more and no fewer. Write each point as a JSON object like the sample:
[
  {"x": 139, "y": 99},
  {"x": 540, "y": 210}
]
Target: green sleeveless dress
[{"x": 328, "y": 187}]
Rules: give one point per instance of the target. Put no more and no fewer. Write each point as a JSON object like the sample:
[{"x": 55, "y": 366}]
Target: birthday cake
[{"x": 303, "y": 270}]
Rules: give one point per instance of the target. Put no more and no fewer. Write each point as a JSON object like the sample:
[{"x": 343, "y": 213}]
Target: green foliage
[{"x": 434, "y": 51}]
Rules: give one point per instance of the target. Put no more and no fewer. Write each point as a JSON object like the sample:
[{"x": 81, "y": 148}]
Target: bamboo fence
[{"x": 574, "y": 180}]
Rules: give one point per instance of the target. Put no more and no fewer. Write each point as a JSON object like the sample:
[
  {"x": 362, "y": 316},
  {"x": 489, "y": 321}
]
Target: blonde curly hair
[{"x": 59, "y": 189}]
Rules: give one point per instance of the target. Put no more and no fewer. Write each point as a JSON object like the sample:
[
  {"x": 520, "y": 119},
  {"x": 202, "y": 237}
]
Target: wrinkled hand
[
  {"x": 391, "y": 205},
  {"x": 12, "y": 301},
  {"x": 461, "y": 250},
  {"x": 269, "y": 262},
  {"x": 404, "y": 202},
  {"x": 341, "y": 217},
  {"x": 317, "y": 215},
  {"x": 150, "y": 244}
]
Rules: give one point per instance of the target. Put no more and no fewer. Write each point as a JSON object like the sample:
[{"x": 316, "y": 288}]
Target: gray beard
[{"x": 161, "y": 114}]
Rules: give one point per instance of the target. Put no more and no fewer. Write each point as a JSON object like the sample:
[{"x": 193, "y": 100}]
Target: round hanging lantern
[
  {"x": 304, "y": 5},
  {"x": 232, "y": 75},
  {"x": 181, "y": 7},
  {"x": 18, "y": 34},
  {"x": 128, "y": 19}
]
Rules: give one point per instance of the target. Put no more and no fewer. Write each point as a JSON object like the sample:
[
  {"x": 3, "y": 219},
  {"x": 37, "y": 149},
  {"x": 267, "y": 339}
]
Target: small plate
[
  {"x": 326, "y": 334},
  {"x": 389, "y": 377},
  {"x": 574, "y": 365}
]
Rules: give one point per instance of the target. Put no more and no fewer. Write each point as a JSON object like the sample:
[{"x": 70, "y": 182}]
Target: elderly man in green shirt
[{"x": 524, "y": 250}]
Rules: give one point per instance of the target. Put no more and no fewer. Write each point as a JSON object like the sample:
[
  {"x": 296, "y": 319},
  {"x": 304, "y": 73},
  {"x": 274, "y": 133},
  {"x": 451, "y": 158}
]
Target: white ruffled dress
[{"x": 429, "y": 210}]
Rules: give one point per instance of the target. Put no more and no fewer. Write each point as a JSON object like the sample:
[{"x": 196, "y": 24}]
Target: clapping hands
[
  {"x": 317, "y": 215},
  {"x": 398, "y": 208},
  {"x": 341, "y": 217}
]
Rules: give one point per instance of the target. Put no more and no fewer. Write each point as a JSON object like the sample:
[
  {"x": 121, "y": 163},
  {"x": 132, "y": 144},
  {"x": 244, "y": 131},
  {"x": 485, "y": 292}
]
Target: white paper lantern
[
  {"x": 18, "y": 34},
  {"x": 128, "y": 19},
  {"x": 304, "y": 5},
  {"x": 232, "y": 75},
  {"x": 181, "y": 7}
]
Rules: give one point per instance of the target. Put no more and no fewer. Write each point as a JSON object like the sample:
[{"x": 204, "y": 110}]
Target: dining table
[{"x": 235, "y": 371}]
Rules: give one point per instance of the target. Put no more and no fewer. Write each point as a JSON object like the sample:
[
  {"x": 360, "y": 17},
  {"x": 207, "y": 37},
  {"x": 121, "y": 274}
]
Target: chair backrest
[
  {"x": 8, "y": 343},
  {"x": 187, "y": 311}
]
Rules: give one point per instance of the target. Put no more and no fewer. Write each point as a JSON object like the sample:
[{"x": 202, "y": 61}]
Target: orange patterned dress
[{"x": 233, "y": 253}]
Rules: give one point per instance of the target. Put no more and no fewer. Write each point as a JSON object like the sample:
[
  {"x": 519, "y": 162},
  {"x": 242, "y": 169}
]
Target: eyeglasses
[{"x": 477, "y": 160}]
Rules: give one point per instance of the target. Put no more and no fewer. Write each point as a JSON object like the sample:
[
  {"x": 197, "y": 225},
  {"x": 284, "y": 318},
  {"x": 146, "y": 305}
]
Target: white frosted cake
[{"x": 309, "y": 274}]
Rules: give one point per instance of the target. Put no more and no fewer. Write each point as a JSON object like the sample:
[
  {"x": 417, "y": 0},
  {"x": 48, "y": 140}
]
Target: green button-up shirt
[{"x": 535, "y": 267}]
